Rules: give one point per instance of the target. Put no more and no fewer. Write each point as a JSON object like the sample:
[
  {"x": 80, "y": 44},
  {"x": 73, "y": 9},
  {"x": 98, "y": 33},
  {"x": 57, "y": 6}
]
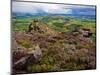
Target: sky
[{"x": 45, "y": 8}]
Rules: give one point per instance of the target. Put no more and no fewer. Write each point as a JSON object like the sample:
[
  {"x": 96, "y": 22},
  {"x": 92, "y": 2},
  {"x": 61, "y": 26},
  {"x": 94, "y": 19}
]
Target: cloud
[
  {"x": 55, "y": 9},
  {"x": 34, "y": 8},
  {"x": 23, "y": 7},
  {"x": 38, "y": 8}
]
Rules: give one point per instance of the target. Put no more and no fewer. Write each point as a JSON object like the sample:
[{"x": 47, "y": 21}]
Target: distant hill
[{"x": 18, "y": 14}]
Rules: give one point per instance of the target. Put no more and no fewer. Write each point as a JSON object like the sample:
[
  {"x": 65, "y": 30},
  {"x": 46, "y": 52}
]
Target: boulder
[
  {"x": 87, "y": 32},
  {"x": 29, "y": 56},
  {"x": 36, "y": 52}
]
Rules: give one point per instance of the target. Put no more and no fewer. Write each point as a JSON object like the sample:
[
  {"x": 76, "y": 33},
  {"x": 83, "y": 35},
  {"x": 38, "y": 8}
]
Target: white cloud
[
  {"x": 56, "y": 9},
  {"x": 43, "y": 7},
  {"x": 34, "y": 7},
  {"x": 23, "y": 7}
]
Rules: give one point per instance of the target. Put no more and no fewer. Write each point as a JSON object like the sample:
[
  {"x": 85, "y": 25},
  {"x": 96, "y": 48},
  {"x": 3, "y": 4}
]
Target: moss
[
  {"x": 80, "y": 46},
  {"x": 40, "y": 68},
  {"x": 25, "y": 43}
]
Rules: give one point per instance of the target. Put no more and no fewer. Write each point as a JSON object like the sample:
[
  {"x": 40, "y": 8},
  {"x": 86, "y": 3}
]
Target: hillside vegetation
[{"x": 53, "y": 43}]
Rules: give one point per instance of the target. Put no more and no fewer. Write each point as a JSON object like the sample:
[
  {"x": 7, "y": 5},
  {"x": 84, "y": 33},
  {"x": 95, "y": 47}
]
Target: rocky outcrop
[
  {"x": 40, "y": 27},
  {"x": 84, "y": 32},
  {"x": 87, "y": 33}
]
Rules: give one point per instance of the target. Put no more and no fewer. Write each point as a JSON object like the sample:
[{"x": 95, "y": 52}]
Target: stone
[{"x": 36, "y": 52}]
